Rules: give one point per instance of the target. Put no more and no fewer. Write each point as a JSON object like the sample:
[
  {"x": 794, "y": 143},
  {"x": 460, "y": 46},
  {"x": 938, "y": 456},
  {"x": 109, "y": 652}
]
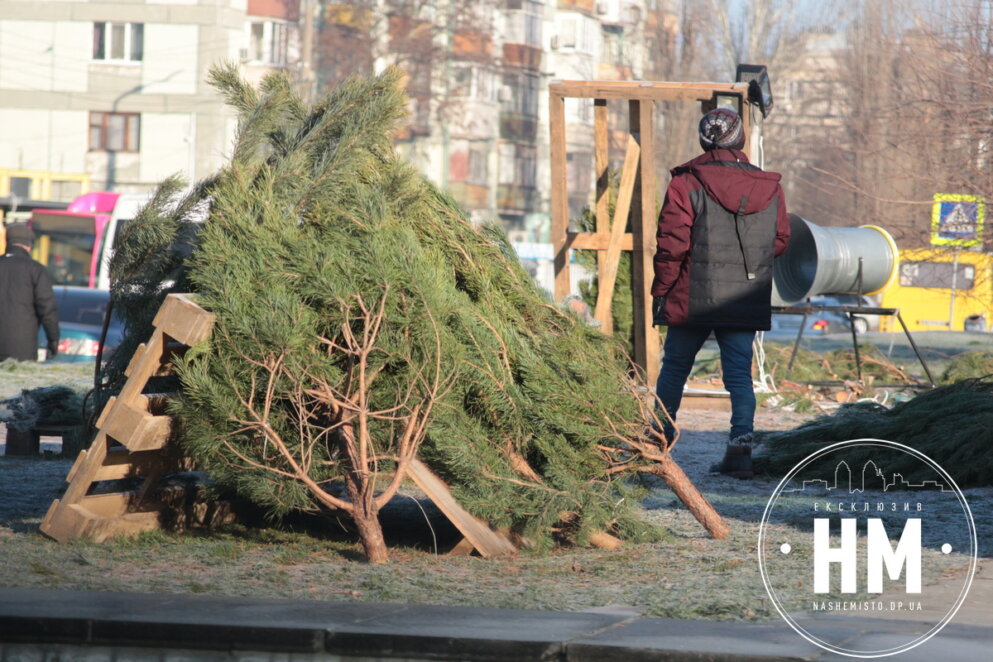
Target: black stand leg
[
  {"x": 920, "y": 358},
  {"x": 796, "y": 345}
]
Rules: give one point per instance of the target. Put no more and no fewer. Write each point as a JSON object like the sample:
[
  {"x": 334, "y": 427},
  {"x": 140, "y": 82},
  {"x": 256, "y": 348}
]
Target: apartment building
[
  {"x": 118, "y": 90},
  {"x": 478, "y": 76}
]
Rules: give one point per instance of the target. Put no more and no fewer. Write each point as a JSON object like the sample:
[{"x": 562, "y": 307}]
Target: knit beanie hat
[
  {"x": 19, "y": 233},
  {"x": 722, "y": 128}
]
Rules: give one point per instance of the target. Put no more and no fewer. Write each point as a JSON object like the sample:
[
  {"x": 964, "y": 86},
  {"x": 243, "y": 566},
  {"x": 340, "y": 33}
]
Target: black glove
[
  {"x": 53, "y": 349},
  {"x": 658, "y": 311}
]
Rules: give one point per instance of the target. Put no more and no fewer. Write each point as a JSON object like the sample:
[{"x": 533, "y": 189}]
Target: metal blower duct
[{"x": 822, "y": 260}]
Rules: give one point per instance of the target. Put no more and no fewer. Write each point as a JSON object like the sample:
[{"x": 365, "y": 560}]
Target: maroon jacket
[{"x": 722, "y": 223}]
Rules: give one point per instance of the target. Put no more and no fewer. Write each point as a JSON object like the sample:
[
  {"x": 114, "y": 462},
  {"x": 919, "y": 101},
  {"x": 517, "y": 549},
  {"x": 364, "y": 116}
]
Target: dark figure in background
[
  {"x": 722, "y": 223},
  {"x": 26, "y": 299}
]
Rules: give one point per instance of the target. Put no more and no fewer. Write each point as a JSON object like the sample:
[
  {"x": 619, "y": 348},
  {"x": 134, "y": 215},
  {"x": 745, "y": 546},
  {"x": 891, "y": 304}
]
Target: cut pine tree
[{"x": 363, "y": 321}]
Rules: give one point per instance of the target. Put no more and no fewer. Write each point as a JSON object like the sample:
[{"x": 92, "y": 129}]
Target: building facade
[{"x": 118, "y": 91}]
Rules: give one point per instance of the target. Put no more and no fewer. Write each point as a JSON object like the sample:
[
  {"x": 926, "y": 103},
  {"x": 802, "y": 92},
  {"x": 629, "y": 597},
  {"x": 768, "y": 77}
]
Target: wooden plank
[
  {"x": 182, "y": 319},
  {"x": 87, "y": 470},
  {"x": 643, "y": 226},
  {"x": 595, "y": 241},
  {"x": 463, "y": 548},
  {"x": 486, "y": 541},
  {"x": 137, "y": 429},
  {"x": 601, "y": 149},
  {"x": 645, "y": 269},
  {"x": 64, "y": 522},
  {"x": 80, "y": 460},
  {"x": 100, "y": 529},
  {"x": 111, "y": 504},
  {"x": 706, "y": 402},
  {"x": 642, "y": 90},
  {"x": 142, "y": 367},
  {"x": 120, "y": 463},
  {"x": 605, "y": 288},
  {"x": 560, "y": 196}
]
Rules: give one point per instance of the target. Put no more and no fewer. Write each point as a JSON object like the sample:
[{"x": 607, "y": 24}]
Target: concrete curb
[{"x": 40, "y": 621}]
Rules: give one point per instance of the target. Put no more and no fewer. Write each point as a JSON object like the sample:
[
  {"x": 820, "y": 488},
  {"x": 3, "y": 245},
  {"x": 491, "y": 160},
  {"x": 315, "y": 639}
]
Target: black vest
[{"x": 731, "y": 258}]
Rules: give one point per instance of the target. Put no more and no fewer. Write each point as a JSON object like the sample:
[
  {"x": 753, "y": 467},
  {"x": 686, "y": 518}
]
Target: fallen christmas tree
[
  {"x": 953, "y": 425},
  {"x": 362, "y": 321}
]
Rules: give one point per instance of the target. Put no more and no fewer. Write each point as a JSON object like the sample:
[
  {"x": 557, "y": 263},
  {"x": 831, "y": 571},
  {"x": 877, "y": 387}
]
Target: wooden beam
[
  {"x": 643, "y": 227},
  {"x": 593, "y": 241},
  {"x": 648, "y": 243},
  {"x": 601, "y": 145},
  {"x": 605, "y": 288},
  {"x": 647, "y": 91},
  {"x": 181, "y": 318},
  {"x": 560, "y": 196},
  {"x": 486, "y": 541}
]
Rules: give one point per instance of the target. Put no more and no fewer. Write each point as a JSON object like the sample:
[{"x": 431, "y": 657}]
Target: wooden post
[
  {"x": 601, "y": 143},
  {"x": 643, "y": 221},
  {"x": 560, "y": 195},
  {"x": 648, "y": 355}
]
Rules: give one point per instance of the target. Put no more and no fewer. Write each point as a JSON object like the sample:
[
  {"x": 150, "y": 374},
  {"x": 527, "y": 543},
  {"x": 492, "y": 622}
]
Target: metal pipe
[{"x": 823, "y": 260}]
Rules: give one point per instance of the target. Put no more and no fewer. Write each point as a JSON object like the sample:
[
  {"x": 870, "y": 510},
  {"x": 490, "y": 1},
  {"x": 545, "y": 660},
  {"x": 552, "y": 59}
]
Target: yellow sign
[{"x": 957, "y": 220}]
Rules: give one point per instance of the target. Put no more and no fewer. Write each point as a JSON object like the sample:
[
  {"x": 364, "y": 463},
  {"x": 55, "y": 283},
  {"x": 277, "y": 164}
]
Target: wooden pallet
[{"x": 133, "y": 440}]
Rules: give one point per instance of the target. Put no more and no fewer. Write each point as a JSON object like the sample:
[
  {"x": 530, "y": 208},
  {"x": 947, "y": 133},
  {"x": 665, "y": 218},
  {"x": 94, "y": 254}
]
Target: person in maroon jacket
[{"x": 722, "y": 223}]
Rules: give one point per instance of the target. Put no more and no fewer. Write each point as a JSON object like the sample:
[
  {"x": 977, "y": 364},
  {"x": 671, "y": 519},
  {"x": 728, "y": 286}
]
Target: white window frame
[
  {"x": 274, "y": 47},
  {"x": 130, "y": 29}
]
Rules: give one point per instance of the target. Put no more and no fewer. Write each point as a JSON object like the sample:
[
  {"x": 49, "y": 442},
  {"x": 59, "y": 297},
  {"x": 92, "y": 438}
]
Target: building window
[
  {"x": 119, "y": 42},
  {"x": 518, "y": 165},
  {"x": 267, "y": 43},
  {"x": 524, "y": 27},
  {"x": 471, "y": 82},
  {"x": 524, "y": 91},
  {"x": 478, "y": 158},
  {"x": 577, "y": 32},
  {"x": 613, "y": 45},
  {"x": 115, "y": 132}
]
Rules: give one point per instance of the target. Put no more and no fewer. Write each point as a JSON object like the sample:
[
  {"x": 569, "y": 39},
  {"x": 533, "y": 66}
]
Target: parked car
[
  {"x": 786, "y": 326},
  {"x": 81, "y": 313},
  {"x": 863, "y": 323}
]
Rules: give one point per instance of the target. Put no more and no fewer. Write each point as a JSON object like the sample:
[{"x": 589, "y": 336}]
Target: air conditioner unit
[
  {"x": 243, "y": 54},
  {"x": 602, "y": 8},
  {"x": 554, "y": 43},
  {"x": 506, "y": 94}
]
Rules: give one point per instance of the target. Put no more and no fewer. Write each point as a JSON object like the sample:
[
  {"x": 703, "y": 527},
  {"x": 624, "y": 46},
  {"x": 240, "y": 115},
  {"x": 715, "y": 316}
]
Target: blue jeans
[{"x": 681, "y": 346}]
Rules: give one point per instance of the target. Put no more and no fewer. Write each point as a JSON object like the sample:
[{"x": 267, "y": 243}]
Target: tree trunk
[
  {"x": 371, "y": 535},
  {"x": 366, "y": 516},
  {"x": 678, "y": 482}
]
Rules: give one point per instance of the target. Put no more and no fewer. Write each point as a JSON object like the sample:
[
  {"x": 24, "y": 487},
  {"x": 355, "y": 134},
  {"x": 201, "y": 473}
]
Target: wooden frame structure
[
  {"x": 637, "y": 194},
  {"x": 134, "y": 440}
]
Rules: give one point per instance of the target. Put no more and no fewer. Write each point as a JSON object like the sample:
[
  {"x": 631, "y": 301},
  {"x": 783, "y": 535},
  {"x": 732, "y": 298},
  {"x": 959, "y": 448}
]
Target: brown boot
[{"x": 737, "y": 461}]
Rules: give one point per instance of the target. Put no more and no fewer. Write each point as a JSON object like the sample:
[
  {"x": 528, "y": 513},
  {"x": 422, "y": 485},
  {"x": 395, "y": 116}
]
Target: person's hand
[
  {"x": 658, "y": 311},
  {"x": 53, "y": 349}
]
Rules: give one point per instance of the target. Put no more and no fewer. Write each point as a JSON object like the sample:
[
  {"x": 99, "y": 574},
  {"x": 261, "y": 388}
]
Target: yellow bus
[{"x": 941, "y": 289}]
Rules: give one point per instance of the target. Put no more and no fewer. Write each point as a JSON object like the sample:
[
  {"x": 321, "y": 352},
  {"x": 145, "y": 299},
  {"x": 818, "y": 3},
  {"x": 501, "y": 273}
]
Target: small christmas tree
[{"x": 362, "y": 321}]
